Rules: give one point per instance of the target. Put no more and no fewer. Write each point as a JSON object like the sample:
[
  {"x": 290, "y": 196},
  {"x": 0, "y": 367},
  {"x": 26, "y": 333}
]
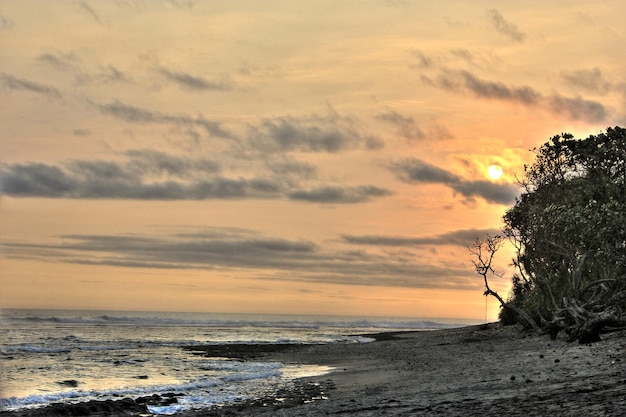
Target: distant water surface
[{"x": 51, "y": 356}]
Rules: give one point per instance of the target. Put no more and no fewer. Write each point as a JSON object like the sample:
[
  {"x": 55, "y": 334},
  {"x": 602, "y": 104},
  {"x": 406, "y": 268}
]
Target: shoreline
[{"x": 484, "y": 370}]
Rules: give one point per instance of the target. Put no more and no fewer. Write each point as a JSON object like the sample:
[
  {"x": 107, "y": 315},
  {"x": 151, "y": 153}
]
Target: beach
[{"x": 484, "y": 370}]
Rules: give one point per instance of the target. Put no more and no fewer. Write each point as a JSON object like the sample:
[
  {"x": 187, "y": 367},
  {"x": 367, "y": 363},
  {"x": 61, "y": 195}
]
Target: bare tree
[{"x": 483, "y": 252}]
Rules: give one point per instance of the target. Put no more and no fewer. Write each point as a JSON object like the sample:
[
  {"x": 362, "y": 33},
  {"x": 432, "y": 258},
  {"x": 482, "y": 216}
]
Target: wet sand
[{"x": 480, "y": 370}]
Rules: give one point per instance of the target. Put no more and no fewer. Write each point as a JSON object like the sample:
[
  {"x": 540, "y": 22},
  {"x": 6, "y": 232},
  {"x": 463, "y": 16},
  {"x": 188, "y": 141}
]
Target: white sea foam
[{"x": 142, "y": 354}]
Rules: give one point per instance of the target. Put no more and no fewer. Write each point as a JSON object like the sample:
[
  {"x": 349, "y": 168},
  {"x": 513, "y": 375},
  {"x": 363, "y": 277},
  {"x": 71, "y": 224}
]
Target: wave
[
  {"x": 201, "y": 390},
  {"x": 258, "y": 321}
]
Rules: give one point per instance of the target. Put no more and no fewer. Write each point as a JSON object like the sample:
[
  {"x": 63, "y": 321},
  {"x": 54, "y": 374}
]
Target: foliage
[{"x": 569, "y": 228}]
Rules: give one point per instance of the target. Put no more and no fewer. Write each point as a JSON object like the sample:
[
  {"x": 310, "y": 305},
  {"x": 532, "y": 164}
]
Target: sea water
[{"x": 49, "y": 356}]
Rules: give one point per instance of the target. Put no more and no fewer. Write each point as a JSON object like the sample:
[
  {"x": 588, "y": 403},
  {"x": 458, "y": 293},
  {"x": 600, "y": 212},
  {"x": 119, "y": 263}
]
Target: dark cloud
[
  {"x": 505, "y": 27},
  {"x": 339, "y": 195},
  {"x": 13, "y": 83},
  {"x": 455, "y": 80},
  {"x": 272, "y": 258},
  {"x": 135, "y": 114},
  {"x": 463, "y": 238},
  {"x": 329, "y": 134},
  {"x": 152, "y": 175},
  {"x": 193, "y": 83},
  {"x": 36, "y": 180},
  {"x": 405, "y": 125},
  {"x": 587, "y": 79},
  {"x": 575, "y": 108},
  {"x": 417, "y": 171},
  {"x": 147, "y": 175},
  {"x": 578, "y": 108}
]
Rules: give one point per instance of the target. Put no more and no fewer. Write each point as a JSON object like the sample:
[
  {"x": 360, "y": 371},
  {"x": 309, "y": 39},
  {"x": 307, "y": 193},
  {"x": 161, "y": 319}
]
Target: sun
[{"x": 494, "y": 171}]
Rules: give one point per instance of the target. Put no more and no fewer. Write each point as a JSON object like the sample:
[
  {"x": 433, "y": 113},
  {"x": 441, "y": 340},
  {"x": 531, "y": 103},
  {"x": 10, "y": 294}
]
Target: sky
[{"x": 308, "y": 157}]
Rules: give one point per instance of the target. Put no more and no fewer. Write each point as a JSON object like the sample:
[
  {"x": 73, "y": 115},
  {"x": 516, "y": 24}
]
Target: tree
[
  {"x": 569, "y": 229},
  {"x": 483, "y": 252}
]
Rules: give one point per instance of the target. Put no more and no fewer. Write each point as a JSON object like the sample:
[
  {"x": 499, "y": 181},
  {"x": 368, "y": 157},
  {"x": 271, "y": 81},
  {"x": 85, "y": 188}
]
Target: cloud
[
  {"x": 193, "y": 83},
  {"x": 81, "y": 132},
  {"x": 5, "y": 23},
  {"x": 148, "y": 175},
  {"x": 291, "y": 170},
  {"x": 578, "y": 108},
  {"x": 406, "y": 126},
  {"x": 153, "y": 162},
  {"x": 575, "y": 108},
  {"x": 13, "y": 83},
  {"x": 110, "y": 73},
  {"x": 457, "y": 80},
  {"x": 58, "y": 60},
  {"x": 330, "y": 134},
  {"x": 462, "y": 238},
  {"x": 424, "y": 61},
  {"x": 416, "y": 170},
  {"x": 153, "y": 175},
  {"x": 413, "y": 171},
  {"x": 268, "y": 257},
  {"x": 339, "y": 195},
  {"x": 89, "y": 11},
  {"x": 587, "y": 79},
  {"x": 135, "y": 114},
  {"x": 505, "y": 27}
]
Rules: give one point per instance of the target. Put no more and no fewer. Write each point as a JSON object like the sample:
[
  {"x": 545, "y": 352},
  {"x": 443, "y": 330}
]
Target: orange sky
[{"x": 314, "y": 157}]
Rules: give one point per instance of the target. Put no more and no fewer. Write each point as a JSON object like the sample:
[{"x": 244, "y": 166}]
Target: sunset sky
[{"x": 317, "y": 157}]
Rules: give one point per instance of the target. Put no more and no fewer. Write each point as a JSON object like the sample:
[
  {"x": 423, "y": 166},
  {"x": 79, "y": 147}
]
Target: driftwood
[{"x": 584, "y": 325}]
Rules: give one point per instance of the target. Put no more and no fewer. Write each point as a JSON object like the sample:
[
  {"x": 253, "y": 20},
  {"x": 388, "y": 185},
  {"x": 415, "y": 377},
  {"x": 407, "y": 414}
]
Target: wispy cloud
[
  {"x": 465, "y": 80},
  {"x": 5, "y": 23},
  {"x": 463, "y": 238},
  {"x": 329, "y": 134},
  {"x": 340, "y": 194},
  {"x": 110, "y": 73},
  {"x": 271, "y": 258},
  {"x": 57, "y": 60},
  {"x": 505, "y": 27},
  {"x": 136, "y": 114},
  {"x": 416, "y": 171},
  {"x": 86, "y": 8},
  {"x": 14, "y": 83},
  {"x": 405, "y": 125},
  {"x": 576, "y": 108},
  {"x": 194, "y": 83}
]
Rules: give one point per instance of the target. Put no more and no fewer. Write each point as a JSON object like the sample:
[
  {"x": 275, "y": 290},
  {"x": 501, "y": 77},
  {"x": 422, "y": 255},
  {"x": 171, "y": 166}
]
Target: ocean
[{"x": 50, "y": 356}]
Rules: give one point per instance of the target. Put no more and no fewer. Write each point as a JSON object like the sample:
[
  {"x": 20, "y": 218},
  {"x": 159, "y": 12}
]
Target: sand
[
  {"x": 482, "y": 370},
  {"x": 474, "y": 371}
]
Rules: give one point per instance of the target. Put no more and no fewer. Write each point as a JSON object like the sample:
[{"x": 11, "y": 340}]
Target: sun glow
[{"x": 494, "y": 171}]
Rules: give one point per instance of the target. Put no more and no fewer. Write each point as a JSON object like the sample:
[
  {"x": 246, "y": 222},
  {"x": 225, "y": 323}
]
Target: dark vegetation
[{"x": 569, "y": 231}]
